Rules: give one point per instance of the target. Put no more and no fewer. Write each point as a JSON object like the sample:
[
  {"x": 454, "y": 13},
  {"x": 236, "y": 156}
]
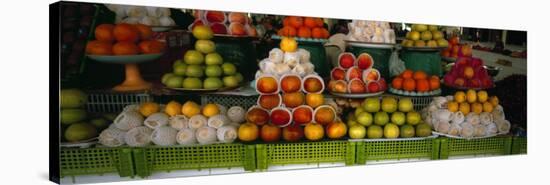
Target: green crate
[
  {"x": 154, "y": 159},
  {"x": 305, "y": 153},
  {"x": 397, "y": 150},
  {"x": 94, "y": 161},
  {"x": 519, "y": 145},
  {"x": 500, "y": 145}
]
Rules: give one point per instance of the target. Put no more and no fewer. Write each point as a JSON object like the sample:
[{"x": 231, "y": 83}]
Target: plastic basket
[
  {"x": 88, "y": 161},
  {"x": 229, "y": 100},
  {"x": 500, "y": 145},
  {"x": 154, "y": 159},
  {"x": 305, "y": 153},
  {"x": 397, "y": 150},
  {"x": 113, "y": 102},
  {"x": 421, "y": 102},
  {"x": 519, "y": 145}
]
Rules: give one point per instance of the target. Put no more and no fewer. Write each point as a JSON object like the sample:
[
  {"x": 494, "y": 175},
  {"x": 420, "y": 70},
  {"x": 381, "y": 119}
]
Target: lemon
[
  {"x": 173, "y": 108},
  {"x": 487, "y": 107},
  {"x": 190, "y": 109},
  {"x": 482, "y": 96},
  {"x": 471, "y": 96},
  {"x": 148, "y": 108},
  {"x": 210, "y": 109},
  {"x": 494, "y": 100},
  {"x": 460, "y": 96},
  {"x": 464, "y": 107}
]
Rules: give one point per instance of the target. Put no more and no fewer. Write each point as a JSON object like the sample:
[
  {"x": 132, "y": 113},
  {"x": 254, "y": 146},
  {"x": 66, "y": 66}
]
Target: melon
[
  {"x": 68, "y": 116},
  {"x": 73, "y": 98}
]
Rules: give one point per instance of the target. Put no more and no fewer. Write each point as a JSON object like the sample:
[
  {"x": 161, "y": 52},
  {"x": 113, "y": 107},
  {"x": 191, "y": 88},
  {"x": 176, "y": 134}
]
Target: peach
[
  {"x": 218, "y": 28},
  {"x": 346, "y": 60},
  {"x": 291, "y": 83},
  {"x": 313, "y": 84},
  {"x": 302, "y": 115},
  {"x": 237, "y": 29},
  {"x": 215, "y": 16},
  {"x": 324, "y": 115},
  {"x": 353, "y": 73},
  {"x": 356, "y": 86},
  {"x": 267, "y": 85},
  {"x": 338, "y": 73},
  {"x": 269, "y": 101},
  {"x": 294, "y": 99},
  {"x": 340, "y": 86},
  {"x": 364, "y": 61},
  {"x": 281, "y": 117},
  {"x": 257, "y": 115},
  {"x": 371, "y": 75}
]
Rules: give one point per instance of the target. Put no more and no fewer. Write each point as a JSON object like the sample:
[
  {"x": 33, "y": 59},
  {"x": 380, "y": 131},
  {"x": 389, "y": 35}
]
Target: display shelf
[
  {"x": 397, "y": 150},
  {"x": 270, "y": 154},
  {"x": 112, "y": 102},
  {"x": 165, "y": 159},
  {"x": 93, "y": 161},
  {"x": 450, "y": 147},
  {"x": 519, "y": 145}
]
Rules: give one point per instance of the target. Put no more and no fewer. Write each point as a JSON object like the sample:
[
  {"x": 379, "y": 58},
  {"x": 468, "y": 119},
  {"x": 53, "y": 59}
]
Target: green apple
[
  {"x": 194, "y": 71},
  {"x": 174, "y": 82},
  {"x": 213, "y": 59},
  {"x": 406, "y": 131},
  {"x": 230, "y": 81},
  {"x": 239, "y": 77},
  {"x": 372, "y": 105},
  {"x": 413, "y": 118},
  {"x": 381, "y": 118},
  {"x": 177, "y": 62},
  {"x": 423, "y": 130},
  {"x": 213, "y": 71},
  {"x": 180, "y": 69},
  {"x": 365, "y": 119},
  {"x": 358, "y": 111},
  {"x": 192, "y": 83},
  {"x": 193, "y": 57},
  {"x": 405, "y": 105},
  {"x": 205, "y": 46},
  {"x": 375, "y": 132},
  {"x": 357, "y": 132},
  {"x": 165, "y": 77},
  {"x": 212, "y": 83},
  {"x": 229, "y": 69},
  {"x": 351, "y": 122},
  {"x": 398, "y": 118},
  {"x": 389, "y": 104}
]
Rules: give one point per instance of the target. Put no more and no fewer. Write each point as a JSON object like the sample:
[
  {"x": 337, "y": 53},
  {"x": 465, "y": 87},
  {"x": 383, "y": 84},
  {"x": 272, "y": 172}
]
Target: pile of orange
[
  {"x": 123, "y": 39},
  {"x": 415, "y": 81},
  {"x": 304, "y": 27}
]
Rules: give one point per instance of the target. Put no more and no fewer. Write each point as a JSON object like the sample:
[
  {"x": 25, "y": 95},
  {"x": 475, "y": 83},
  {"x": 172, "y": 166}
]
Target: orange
[
  {"x": 287, "y": 31},
  {"x": 288, "y": 44},
  {"x": 452, "y": 106},
  {"x": 407, "y": 74},
  {"x": 296, "y": 22},
  {"x": 419, "y": 75},
  {"x": 104, "y": 32},
  {"x": 96, "y": 47},
  {"x": 397, "y": 83},
  {"x": 286, "y": 21},
  {"x": 145, "y": 32},
  {"x": 409, "y": 84},
  {"x": 125, "y": 48},
  {"x": 124, "y": 32},
  {"x": 325, "y": 33},
  {"x": 422, "y": 85},
  {"x": 304, "y": 32},
  {"x": 319, "y": 22},
  {"x": 464, "y": 107},
  {"x": 310, "y": 22},
  {"x": 434, "y": 83},
  {"x": 317, "y": 33},
  {"x": 151, "y": 46}
]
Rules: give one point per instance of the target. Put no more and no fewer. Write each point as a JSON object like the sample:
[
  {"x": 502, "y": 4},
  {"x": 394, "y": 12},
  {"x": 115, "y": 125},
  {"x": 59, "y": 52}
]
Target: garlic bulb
[
  {"x": 218, "y": 121},
  {"x": 136, "y": 11},
  {"x": 281, "y": 69},
  {"x": 443, "y": 115},
  {"x": 197, "y": 121},
  {"x": 153, "y": 11},
  {"x": 498, "y": 113},
  {"x": 227, "y": 134},
  {"x": 440, "y": 102},
  {"x": 491, "y": 129},
  {"x": 206, "y": 135},
  {"x": 132, "y": 107},
  {"x": 450, "y": 98},
  {"x": 131, "y": 20},
  {"x": 503, "y": 126}
]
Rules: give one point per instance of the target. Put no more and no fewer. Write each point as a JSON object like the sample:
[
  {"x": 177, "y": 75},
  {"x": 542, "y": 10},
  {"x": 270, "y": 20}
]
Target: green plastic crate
[
  {"x": 154, "y": 159},
  {"x": 500, "y": 145},
  {"x": 95, "y": 161},
  {"x": 397, "y": 150},
  {"x": 305, "y": 153},
  {"x": 519, "y": 145}
]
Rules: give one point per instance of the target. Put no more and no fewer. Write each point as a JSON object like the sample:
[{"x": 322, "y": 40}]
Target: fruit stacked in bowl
[
  {"x": 225, "y": 23},
  {"x": 123, "y": 39},
  {"x": 356, "y": 75},
  {"x": 415, "y": 83},
  {"x": 468, "y": 72}
]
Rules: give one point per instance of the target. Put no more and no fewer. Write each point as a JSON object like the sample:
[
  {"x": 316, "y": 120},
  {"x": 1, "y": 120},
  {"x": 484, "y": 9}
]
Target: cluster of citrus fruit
[
  {"x": 304, "y": 27},
  {"x": 123, "y": 39},
  {"x": 472, "y": 101},
  {"x": 415, "y": 81}
]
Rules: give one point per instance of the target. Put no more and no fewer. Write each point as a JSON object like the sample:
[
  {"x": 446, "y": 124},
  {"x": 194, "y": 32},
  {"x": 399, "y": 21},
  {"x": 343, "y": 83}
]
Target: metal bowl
[{"x": 492, "y": 70}]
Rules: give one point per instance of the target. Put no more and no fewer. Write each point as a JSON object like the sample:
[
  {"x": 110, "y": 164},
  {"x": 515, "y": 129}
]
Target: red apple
[
  {"x": 218, "y": 28},
  {"x": 270, "y": 133},
  {"x": 474, "y": 83},
  {"x": 373, "y": 87},
  {"x": 302, "y": 115},
  {"x": 267, "y": 85},
  {"x": 371, "y": 75},
  {"x": 487, "y": 83},
  {"x": 364, "y": 61},
  {"x": 293, "y": 133},
  {"x": 215, "y": 16},
  {"x": 339, "y": 86},
  {"x": 291, "y": 83},
  {"x": 257, "y": 116},
  {"x": 281, "y": 117},
  {"x": 313, "y": 84},
  {"x": 338, "y": 73},
  {"x": 336, "y": 130},
  {"x": 237, "y": 29},
  {"x": 269, "y": 101},
  {"x": 383, "y": 84},
  {"x": 346, "y": 60},
  {"x": 294, "y": 99},
  {"x": 353, "y": 73},
  {"x": 356, "y": 86}
]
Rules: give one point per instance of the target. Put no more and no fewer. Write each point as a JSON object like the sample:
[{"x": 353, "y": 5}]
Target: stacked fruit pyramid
[
  {"x": 124, "y": 36},
  {"x": 233, "y": 23},
  {"x": 455, "y": 49},
  {"x": 173, "y": 124},
  {"x": 371, "y": 31},
  {"x": 415, "y": 83},
  {"x": 303, "y": 28},
  {"x": 468, "y": 72},
  {"x": 356, "y": 76},
  {"x": 467, "y": 115},
  {"x": 387, "y": 117},
  {"x": 291, "y": 101},
  {"x": 422, "y": 35},
  {"x": 202, "y": 67}
]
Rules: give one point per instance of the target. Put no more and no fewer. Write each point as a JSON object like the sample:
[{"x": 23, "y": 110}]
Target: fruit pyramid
[
  {"x": 415, "y": 83},
  {"x": 422, "y": 35},
  {"x": 455, "y": 49},
  {"x": 468, "y": 72},
  {"x": 303, "y": 27},
  {"x": 232, "y": 23},
  {"x": 202, "y": 67},
  {"x": 356, "y": 76}
]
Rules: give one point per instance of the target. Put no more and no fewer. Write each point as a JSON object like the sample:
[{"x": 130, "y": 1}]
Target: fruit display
[
  {"x": 468, "y": 73},
  {"x": 371, "y": 31},
  {"x": 415, "y": 83},
  {"x": 224, "y": 23},
  {"x": 150, "y": 16},
  {"x": 356, "y": 76},
  {"x": 468, "y": 114},
  {"x": 424, "y": 36},
  {"x": 173, "y": 124},
  {"x": 123, "y": 39},
  {"x": 386, "y": 117},
  {"x": 303, "y": 28},
  {"x": 288, "y": 59},
  {"x": 202, "y": 67},
  {"x": 455, "y": 49}
]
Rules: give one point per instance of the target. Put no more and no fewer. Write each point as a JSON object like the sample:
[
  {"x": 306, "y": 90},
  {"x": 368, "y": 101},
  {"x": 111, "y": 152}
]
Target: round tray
[
  {"x": 409, "y": 93},
  {"x": 370, "y": 44},
  {"x": 397, "y": 139},
  {"x": 423, "y": 48},
  {"x": 80, "y": 144},
  {"x": 300, "y": 39},
  {"x": 363, "y": 95},
  {"x": 125, "y": 59},
  {"x": 458, "y": 137}
]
